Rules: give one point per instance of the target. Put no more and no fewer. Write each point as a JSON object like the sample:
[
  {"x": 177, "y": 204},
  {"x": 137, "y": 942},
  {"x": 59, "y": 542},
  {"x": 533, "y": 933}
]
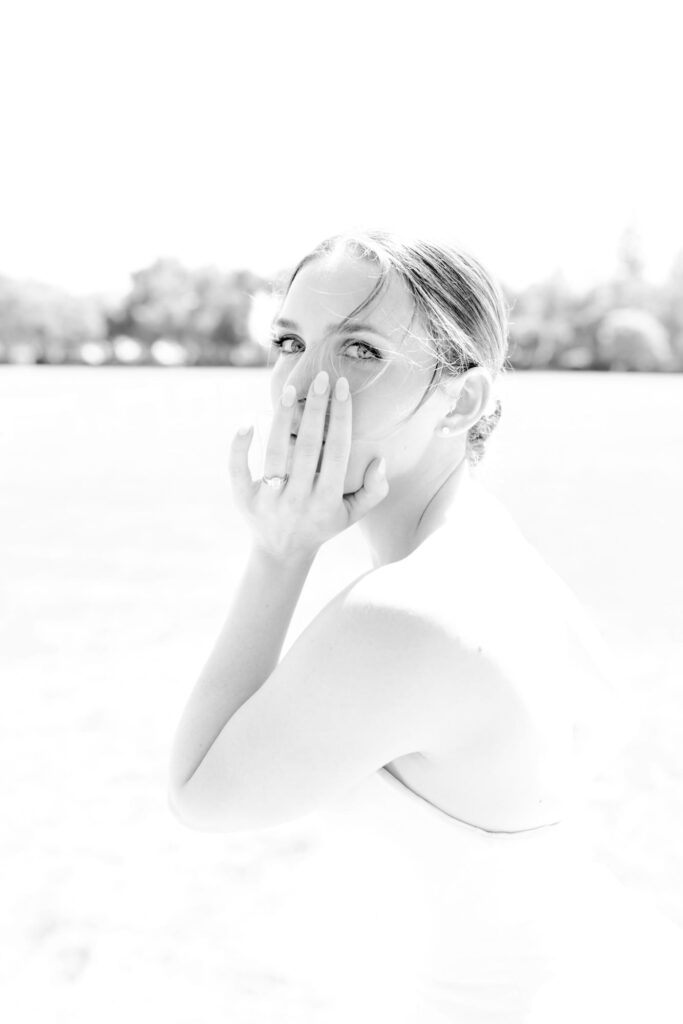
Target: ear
[{"x": 469, "y": 398}]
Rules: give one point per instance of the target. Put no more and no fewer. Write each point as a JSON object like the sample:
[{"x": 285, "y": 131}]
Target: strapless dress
[{"x": 437, "y": 921}]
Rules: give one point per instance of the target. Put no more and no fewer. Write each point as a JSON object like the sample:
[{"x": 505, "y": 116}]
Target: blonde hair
[{"x": 461, "y": 305}]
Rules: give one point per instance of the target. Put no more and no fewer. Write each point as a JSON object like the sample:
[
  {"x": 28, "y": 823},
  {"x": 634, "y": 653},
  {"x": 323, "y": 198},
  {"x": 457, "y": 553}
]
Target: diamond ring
[{"x": 276, "y": 482}]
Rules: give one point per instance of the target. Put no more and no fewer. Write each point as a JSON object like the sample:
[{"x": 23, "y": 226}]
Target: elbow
[
  {"x": 183, "y": 810},
  {"x": 177, "y": 806},
  {"x": 197, "y": 814},
  {"x": 182, "y": 801}
]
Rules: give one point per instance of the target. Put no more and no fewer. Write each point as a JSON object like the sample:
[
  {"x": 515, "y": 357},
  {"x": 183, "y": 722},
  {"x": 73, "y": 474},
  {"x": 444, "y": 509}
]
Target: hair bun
[{"x": 478, "y": 434}]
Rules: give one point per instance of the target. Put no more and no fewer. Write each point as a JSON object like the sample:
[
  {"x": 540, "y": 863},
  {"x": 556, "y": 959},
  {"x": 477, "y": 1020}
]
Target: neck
[{"x": 413, "y": 509}]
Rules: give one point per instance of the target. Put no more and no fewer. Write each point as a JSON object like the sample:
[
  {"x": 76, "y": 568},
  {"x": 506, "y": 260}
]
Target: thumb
[{"x": 375, "y": 488}]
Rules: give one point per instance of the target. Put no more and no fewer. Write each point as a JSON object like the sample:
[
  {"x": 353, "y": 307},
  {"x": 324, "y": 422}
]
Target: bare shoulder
[
  {"x": 519, "y": 678},
  {"x": 391, "y": 620},
  {"x": 474, "y": 586},
  {"x": 499, "y": 618}
]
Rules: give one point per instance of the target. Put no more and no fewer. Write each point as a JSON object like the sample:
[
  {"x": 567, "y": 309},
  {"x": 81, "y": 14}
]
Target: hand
[{"x": 292, "y": 523}]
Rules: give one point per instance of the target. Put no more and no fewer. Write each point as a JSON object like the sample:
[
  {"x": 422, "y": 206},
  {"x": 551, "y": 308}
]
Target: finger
[
  {"x": 375, "y": 488},
  {"x": 335, "y": 457},
  {"x": 309, "y": 441},
  {"x": 238, "y": 465},
  {"x": 277, "y": 449}
]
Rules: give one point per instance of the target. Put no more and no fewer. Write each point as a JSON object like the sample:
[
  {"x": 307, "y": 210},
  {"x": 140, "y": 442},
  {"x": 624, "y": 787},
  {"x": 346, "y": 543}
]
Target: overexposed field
[{"x": 120, "y": 547}]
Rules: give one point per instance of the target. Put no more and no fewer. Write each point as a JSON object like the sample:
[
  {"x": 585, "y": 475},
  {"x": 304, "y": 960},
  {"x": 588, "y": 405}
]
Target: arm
[
  {"x": 246, "y": 652},
  {"x": 288, "y": 528},
  {"x": 367, "y": 681}
]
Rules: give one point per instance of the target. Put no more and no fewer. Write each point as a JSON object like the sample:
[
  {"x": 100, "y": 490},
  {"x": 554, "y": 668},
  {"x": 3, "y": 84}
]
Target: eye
[
  {"x": 280, "y": 343},
  {"x": 370, "y": 352}
]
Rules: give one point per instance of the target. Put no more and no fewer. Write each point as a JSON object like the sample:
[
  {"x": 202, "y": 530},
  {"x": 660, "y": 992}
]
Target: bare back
[{"x": 529, "y": 685}]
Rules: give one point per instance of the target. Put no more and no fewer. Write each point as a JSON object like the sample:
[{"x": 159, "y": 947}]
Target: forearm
[{"x": 247, "y": 650}]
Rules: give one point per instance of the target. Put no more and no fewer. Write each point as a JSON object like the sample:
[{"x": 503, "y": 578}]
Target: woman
[{"x": 454, "y": 699}]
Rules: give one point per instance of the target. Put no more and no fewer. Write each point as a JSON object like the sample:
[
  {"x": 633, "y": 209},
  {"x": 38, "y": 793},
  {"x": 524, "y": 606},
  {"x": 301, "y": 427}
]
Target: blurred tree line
[
  {"x": 170, "y": 316},
  {"x": 175, "y": 316},
  {"x": 625, "y": 323}
]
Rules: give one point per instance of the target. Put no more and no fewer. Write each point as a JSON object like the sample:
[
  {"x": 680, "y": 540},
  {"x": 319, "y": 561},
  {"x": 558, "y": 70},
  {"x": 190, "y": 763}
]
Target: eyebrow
[{"x": 341, "y": 325}]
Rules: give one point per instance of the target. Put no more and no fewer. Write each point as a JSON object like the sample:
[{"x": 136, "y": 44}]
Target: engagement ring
[{"x": 276, "y": 482}]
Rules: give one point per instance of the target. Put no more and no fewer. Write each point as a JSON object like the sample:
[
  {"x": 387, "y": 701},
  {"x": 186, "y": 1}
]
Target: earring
[{"x": 445, "y": 431}]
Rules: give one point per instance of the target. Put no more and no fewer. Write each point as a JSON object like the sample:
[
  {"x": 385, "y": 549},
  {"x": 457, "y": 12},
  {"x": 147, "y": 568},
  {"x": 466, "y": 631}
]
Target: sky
[{"x": 240, "y": 135}]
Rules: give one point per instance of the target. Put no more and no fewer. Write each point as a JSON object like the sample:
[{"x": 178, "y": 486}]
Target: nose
[
  {"x": 308, "y": 366},
  {"x": 299, "y": 413},
  {"x": 301, "y": 378},
  {"x": 299, "y": 408}
]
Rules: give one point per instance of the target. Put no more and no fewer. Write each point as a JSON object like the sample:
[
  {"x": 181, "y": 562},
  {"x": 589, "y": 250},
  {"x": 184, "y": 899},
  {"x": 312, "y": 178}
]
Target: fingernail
[
  {"x": 341, "y": 389},
  {"x": 243, "y": 431},
  {"x": 382, "y": 466},
  {"x": 288, "y": 396},
  {"x": 320, "y": 383}
]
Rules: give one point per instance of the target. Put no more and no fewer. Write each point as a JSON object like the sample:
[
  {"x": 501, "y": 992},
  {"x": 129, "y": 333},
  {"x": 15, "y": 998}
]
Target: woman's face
[{"x": 387, "y": 364}]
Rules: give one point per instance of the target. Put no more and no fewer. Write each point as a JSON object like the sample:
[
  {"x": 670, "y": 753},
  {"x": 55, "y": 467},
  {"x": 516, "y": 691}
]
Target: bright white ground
[{"x": 119, "y": 548}]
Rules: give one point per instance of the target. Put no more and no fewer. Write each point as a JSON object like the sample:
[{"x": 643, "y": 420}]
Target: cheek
[
  {"x": 382, "y": 426},
  {"x": 374, "y": 418}
]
